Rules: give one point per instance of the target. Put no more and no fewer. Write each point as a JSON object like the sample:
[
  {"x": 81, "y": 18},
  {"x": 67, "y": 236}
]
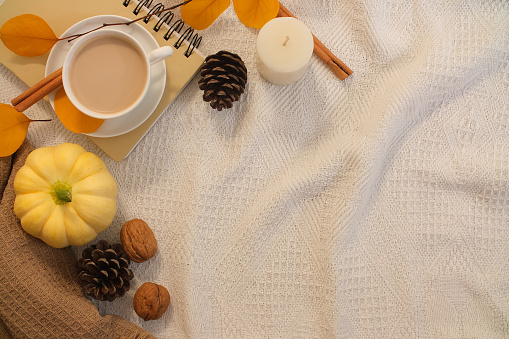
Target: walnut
[
  {"x": 151, "y": 301},
  {"x": 138, "y": 240}
]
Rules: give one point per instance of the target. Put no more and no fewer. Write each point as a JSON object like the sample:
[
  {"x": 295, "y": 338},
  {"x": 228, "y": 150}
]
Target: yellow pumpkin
[{"x": 64, "y": 195}]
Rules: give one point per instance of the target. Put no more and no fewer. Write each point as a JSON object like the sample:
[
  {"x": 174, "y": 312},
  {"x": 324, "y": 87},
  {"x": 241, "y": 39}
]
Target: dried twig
[{"x": 75, "y": 36}]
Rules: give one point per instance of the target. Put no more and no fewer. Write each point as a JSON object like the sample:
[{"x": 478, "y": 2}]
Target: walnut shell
[
  {"x": 138, "y": 240},
  {"x": 151, "y": 301}
]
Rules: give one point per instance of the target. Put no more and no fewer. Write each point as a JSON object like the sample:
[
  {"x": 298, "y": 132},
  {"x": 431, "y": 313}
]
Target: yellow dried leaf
[
  {"x": 73, "y": 119},
  {"x": 256, "y": 13},
  {"x": 13, "y": 129},
  {"x": 200, "y": 14},
  {"x": 27, "y": 35}
]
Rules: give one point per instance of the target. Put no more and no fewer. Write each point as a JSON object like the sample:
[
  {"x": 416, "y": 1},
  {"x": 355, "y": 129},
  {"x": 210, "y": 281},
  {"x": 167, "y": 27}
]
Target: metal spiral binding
[
  {"x": 176, "y": 27},
  {"x": 155, "y": 9},
  {"x": 138, "y": 8},
  {"x": 193, "y": 43},
  {"x": 187, "y": 34},
  {"x": 193, "y": 38},
  {"x": 165, "y": 19}
]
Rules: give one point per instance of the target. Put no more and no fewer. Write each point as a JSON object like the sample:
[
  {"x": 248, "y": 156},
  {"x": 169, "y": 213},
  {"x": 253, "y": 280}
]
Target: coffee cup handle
[{"x": 159, "y": 54}]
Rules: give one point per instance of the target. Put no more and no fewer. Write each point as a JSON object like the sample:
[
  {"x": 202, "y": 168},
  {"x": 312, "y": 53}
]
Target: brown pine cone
[
  {"x": 104, "y": 272},
  {"x": 224, "y": 78}
]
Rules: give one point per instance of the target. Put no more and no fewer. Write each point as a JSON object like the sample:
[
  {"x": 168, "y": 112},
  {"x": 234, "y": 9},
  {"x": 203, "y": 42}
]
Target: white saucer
[{"x": 121, "y": 125}]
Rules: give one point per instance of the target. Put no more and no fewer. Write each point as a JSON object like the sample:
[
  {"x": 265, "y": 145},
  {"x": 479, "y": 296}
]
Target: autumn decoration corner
[{"x": 29, "y": 35}]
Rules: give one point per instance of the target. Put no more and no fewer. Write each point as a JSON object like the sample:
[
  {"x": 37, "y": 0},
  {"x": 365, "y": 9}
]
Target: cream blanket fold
[{"x": 39, "y": 293}]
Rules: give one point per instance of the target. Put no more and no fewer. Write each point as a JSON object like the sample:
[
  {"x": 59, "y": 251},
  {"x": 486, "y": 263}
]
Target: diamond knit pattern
[{"x": 375, "y": 207}]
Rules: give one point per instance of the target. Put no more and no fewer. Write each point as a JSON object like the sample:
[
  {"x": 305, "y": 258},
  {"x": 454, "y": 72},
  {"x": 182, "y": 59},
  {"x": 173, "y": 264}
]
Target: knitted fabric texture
[
  {"x": 39, "y": 293},
  {"x": 375, "y": 207}
]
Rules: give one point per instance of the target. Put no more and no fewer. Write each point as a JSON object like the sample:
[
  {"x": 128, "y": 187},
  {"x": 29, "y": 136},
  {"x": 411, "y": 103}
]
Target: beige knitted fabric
[
  {"x": 376, "y": 207},
  {"x": 39, "y": 293}
]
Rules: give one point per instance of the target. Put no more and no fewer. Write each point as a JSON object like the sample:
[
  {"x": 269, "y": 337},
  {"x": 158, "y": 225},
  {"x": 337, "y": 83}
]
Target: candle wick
[{"x": 287, "y": 38}]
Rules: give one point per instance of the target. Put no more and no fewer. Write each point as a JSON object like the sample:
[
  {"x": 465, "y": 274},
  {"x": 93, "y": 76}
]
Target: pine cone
[
  {"x": 224, "y": 78},
  {"x": 104, "y": 272}
]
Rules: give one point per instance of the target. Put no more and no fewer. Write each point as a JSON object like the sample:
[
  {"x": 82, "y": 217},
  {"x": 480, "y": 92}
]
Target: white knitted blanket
[{"x": 376, "y": 207}]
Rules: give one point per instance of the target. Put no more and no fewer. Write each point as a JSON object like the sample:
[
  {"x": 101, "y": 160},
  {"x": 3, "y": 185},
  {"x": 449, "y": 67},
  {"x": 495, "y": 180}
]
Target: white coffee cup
[{"x": 106, "y": 73}]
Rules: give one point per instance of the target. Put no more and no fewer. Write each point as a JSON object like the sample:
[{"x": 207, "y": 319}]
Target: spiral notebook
[{"x": 166, "y": 28}]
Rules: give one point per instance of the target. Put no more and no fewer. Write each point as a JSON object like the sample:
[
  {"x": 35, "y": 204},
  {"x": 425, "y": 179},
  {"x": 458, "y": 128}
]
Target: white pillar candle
[{"x": 284, "y": 47}]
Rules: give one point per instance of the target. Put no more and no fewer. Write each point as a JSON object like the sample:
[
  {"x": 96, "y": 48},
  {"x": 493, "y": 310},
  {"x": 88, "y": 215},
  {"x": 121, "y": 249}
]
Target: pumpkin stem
[{"x": 61, "y": 193}]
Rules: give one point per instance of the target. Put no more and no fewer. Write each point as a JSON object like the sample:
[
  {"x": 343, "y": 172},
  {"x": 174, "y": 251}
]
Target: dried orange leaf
[
  {"x": 73, "y": 119},
  {"x": 13, "y": 129},
  {"x": 256, "y": 13},
  {"x": 27, "y": 35},
  {"x": 200, "y": 14}
]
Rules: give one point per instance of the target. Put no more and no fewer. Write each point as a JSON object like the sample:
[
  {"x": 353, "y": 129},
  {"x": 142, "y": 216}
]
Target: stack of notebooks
[{"x": 62, "y": 14}]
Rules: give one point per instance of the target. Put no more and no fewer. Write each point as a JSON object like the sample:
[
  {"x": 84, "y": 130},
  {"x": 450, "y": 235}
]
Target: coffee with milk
[{"x": 108, "y": 74}]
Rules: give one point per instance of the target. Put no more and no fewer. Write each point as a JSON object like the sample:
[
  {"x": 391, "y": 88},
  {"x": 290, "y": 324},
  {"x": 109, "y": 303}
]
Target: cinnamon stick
[
  {"x": 38, "y": 91},
  {"x": 336, "y": 65},
  {"x": 36, "y": 87}
]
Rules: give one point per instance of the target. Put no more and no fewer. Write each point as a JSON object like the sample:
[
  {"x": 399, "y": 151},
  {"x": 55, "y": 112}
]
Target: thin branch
[
  {"x": 75, "y": 36},
  {"x": 40, "y": 120}
]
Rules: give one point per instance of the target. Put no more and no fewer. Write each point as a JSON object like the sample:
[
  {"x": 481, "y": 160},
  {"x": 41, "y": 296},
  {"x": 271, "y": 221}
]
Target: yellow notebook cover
[{"x": 62, "y": 14}]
